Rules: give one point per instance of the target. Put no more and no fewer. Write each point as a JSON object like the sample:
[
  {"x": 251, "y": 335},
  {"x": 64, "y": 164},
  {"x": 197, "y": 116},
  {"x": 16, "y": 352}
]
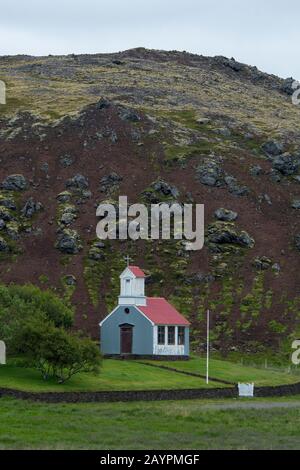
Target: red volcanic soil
[{"x": 272, "y": 226}]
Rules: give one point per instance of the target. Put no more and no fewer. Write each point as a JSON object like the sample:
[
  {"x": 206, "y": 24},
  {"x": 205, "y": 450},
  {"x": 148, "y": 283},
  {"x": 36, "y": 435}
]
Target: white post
[{"x": 207, "y": 348}]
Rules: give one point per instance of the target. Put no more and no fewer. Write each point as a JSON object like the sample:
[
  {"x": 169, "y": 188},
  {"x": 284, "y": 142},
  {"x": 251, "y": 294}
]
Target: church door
[{"x": 126, "y": 339}]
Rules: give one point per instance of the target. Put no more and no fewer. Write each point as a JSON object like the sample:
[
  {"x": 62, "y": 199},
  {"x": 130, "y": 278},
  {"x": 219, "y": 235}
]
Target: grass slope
[
  {"x": 115, "y": 375},
  {"x": 172, "y": 425},
  {"x": 232, "y": 372}
]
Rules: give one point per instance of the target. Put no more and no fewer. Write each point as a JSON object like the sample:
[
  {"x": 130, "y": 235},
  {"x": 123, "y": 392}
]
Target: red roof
[
  {"x": 160, "y": 312},
  {"x": 136, "y": 271}
]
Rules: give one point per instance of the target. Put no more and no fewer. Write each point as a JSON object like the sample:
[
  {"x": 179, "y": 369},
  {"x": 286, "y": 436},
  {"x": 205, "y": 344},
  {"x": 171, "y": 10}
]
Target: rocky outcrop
[
  {"x": 78, "y": 182},
  {"x": 66, "y": 160},
  {"x": 210, "y": 173},
  {"x": 263, "y": 263},
  {"x": 160, "y": 191},
  {"x": 286, "y": 164},
  {"x": 68, "y": 215},
  {"x": 226, "y": 215},
  {"x": 235, "y": 188},
  {"x": 64, "y": 197},
  {"x": 15, "y": 183},
  {"x": 272, "y": 148},
  {"x": 225, "y": 233},
  {"x": 96, "y": 251},
  {"x": 5, "y": 214},
  {"x": 129, "y": 115},
  {"x": 287, "y": 86},
  {"x": 79, "y": 186},
  {"x": 31, "y": 208},
  {"x": 68, "y": 242},
  {"x": 8, "y": 202},
  {"x": 110, "y": 183}
]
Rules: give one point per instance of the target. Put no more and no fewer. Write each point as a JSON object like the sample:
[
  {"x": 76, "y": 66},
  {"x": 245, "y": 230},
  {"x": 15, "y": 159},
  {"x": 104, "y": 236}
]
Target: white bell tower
[{"x": 132, "y": 287}]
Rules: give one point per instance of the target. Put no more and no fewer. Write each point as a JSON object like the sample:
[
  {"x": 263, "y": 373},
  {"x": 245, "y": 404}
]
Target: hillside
[{"x": 83, "y": 129}]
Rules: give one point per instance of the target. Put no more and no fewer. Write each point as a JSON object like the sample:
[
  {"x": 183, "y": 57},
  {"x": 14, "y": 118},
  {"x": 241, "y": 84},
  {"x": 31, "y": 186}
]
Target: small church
[{"x": 143, "y": 326}]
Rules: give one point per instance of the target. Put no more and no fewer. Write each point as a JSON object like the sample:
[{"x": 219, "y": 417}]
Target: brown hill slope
[{"x": 198, "y": 124}]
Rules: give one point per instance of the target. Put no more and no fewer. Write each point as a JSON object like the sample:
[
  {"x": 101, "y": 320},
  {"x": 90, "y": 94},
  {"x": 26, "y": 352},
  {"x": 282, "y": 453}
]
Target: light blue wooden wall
[{"x": 142, "y": 341}]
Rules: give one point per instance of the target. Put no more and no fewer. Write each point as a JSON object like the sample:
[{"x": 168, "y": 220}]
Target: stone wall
[
  {"x": 124, "y": 396},
  {"x": 147, "y": 395}
]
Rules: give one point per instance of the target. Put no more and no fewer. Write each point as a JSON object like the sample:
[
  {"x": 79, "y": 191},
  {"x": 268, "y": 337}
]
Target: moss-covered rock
[
  {"x": 4, "y": 247},
  {"x": 224, "y": 233},
  {"x": 69, "y": 242}
]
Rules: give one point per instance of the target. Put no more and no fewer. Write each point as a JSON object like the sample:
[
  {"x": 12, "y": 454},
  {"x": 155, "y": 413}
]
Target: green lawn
[
  {"x": 115, "y": 375},
  {"x": 232, "y": 372},
  {"x": 155, "y": 425},
  {"x": 130, "y": 375}
]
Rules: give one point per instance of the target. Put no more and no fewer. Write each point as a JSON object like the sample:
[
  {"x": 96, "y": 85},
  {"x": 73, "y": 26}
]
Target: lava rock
[
  {"x": 161, "y": 191},
  {"x": 12, "y": 230},
  {"x": 272, "y": 148},
  {"x": 221, "y": 233},
  {"x": 64, "y": 197},
  {"x": 235, "y": 188},
  {"x": 3, "y": 245},
  {"x": 67, "y": 218},
  {"x": 102, "y": 104},
  {"x": 296, "y": 204},
  {"x": 15, "y": 183},
  {"x": 31, "y": 207},
  {"x": 276, "y": 268},
  {"x": 99, "y": 244},
  {"x": 66, "y": 160},
  {"x": 95, "y": 254},
  {"x": 263, "y": 263},
  {"x": 165, "y": 188},
  {"x": 224, "y": 132},
  {"x": 287, "y": 86},
  {"x": 265, "y": 198},
  {"x": 78, "y": 182},
  {"x": 8, "y": 203},
  {"x": 210, "y": 173},
  {"x": 255, "y": 170},
  {"x": 5, "y": 214},
  {"x": 199, "y": 278},
  {"x": 68, "y": 215},
  {"x": 110, "y": 182},
  {"x": 129, "y": 115},
  {"x": 68, "y": 242},
  {"x": 275, "y": 176},
  {"x": 226, "y": 215},
  {"x": 286, "y": 164},
  {"x": 70, "y": 280}
]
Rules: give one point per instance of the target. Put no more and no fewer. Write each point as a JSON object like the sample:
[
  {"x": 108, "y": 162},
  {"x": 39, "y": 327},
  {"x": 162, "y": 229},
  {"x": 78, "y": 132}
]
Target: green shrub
[
  {"x": 19, "y": 304},
  {"x": 56, "y": 352}
]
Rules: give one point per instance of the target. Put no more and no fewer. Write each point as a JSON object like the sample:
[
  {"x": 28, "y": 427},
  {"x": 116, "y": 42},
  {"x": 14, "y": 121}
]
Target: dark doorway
[{"x": 126, "y": 339}]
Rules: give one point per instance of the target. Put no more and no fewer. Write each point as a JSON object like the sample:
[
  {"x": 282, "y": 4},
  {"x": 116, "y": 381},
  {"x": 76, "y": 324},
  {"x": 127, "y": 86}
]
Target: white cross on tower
[{"x": 127, "y": 259}]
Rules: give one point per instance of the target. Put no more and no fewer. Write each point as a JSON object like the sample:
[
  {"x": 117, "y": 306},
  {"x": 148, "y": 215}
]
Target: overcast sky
[{"x": 264, "y": 33}]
